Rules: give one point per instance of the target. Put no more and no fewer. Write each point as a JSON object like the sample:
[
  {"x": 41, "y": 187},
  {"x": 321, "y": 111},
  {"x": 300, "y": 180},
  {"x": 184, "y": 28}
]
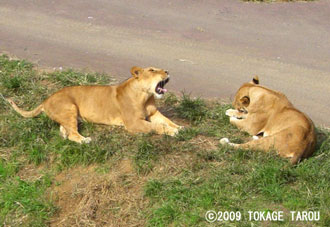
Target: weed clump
[{"x": 192, "y": 109}]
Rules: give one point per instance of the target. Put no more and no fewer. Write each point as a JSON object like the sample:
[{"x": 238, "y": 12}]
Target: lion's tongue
[{"x": 162, "y": 90}]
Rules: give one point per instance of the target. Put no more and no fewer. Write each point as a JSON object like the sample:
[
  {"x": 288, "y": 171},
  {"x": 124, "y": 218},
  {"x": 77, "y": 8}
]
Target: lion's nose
[{"x": 166, "y": 72}]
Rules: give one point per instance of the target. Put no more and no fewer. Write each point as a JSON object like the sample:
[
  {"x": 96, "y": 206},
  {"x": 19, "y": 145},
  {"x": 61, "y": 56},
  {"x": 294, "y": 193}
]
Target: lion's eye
[{"x": 151, "y": 70}]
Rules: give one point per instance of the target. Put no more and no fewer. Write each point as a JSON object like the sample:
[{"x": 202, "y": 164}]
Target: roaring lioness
[
  {"x": 273, "y": 122},
  {"x": 130, "y": 104}
]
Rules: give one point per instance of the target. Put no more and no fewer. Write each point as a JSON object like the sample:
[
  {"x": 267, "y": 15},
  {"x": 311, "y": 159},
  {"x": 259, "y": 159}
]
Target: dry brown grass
[
  {"x": 116, "y": 198},
  {"x": 87, "y": 198}
]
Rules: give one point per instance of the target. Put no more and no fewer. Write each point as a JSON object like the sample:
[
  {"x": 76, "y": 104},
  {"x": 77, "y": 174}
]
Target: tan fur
[
  {"x": 130, "y": 104},
  {"x": 259, "y": 110}
]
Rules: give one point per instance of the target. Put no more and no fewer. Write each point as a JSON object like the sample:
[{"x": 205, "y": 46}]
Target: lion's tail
[{"x": 24, "y": 113}]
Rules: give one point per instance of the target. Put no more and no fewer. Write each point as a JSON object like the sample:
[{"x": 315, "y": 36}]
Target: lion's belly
[
  {"x": 101, "y": 114},
  {"x": 114, "y": 121},
  {"x": 102, "y": 117}
]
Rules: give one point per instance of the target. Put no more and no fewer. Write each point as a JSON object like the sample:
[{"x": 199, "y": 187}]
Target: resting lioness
[
  {"x": 130, "y": 104},
  {"x": 261, "y": 111}
]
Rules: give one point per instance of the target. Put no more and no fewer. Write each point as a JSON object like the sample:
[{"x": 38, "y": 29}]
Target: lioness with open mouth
[
  {"x": 273, "y": 122},
  {"x": 130, "y": 104}
]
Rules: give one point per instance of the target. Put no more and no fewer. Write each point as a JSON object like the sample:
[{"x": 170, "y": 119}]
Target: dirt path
[{"x": 209, "y": 47}]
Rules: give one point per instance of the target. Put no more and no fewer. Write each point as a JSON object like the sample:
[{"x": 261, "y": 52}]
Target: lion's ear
[
  {"x": 136, "y": 71},
  {"x": 255, "y": 80},
  {"x": 245, "y": 101}
]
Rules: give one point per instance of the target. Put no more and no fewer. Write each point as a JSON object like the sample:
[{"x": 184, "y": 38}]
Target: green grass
[
  {"x": 193, "y": 110},
  {"x": 245, "y": 182},
  {"x": 26, "y": 200},
  {"x": 182, "y": 177}
]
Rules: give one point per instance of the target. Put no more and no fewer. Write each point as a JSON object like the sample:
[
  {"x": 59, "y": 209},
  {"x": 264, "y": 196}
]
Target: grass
[
  {"x": 194, "y": 110},
  {"x": 121, "y": 179}
]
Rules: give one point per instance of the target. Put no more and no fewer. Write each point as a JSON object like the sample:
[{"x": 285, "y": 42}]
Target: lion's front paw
[
  {"x": 224, "y": 141},
  {"x": 86, "y": 140},
  {"x": 172, "y": 131},
  {"x": 231, "y": 112},
  {"x": 175, "y": 131}
]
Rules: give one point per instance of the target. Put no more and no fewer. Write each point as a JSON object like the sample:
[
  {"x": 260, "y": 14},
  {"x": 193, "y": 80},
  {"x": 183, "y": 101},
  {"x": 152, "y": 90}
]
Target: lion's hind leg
[
  {"x": 67, "y": 116},
  {"x": 70, "y": 129},
  {"x": 264, "y": 143},
  {"x": 282, "y": 142},
  {"x": 63, "y": 132}
]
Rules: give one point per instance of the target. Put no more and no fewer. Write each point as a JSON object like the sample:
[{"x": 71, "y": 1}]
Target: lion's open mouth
[{"x": 160, "y": 86}]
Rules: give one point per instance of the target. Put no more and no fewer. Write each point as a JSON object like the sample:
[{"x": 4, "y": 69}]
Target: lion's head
[
  {"x": 242, "y": 97},
  {"x": 152, "y": 80}
]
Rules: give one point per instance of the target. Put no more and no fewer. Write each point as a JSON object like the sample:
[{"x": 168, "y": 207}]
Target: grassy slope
[{"x": 174, "y": 180}]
